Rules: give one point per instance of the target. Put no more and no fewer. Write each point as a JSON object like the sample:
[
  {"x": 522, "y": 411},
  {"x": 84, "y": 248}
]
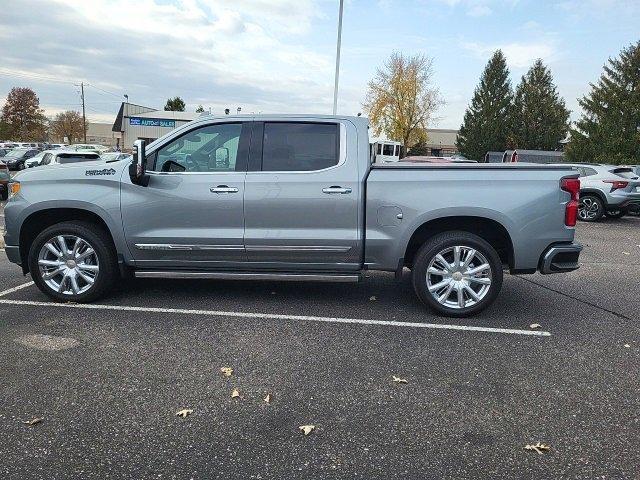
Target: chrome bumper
[{"x": 562, "y": 257}]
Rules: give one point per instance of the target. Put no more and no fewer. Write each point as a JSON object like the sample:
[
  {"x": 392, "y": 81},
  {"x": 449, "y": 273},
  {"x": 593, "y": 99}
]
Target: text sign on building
[{"x": 152, "y": 122}]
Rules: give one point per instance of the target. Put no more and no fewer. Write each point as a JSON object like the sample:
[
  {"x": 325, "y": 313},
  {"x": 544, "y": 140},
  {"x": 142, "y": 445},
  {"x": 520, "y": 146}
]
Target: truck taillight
[
  {"x": 616, "y": 184},
  {"x": 571, "y": 185}
]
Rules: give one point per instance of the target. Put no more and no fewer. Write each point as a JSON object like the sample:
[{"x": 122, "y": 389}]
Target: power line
[
  {"x": 33, "y": 76},
  {"x": 105, "y": 91}
]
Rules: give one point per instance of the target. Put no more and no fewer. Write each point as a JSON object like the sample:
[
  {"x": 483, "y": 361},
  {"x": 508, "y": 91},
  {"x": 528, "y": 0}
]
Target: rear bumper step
[
  {"x": 560, "y": 258},
  {"x": 291, "y": 276}
]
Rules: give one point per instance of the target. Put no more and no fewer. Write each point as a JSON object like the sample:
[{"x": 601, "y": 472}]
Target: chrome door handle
[
  {"x": 223, "y": 189},
  {"x": 336, "y": 189}
]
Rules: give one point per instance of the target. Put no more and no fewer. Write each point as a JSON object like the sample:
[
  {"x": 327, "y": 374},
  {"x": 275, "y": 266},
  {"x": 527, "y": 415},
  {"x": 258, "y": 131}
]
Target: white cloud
[
  {"x": 253, "y": 53},
  {"x": 519, "y": 54}
]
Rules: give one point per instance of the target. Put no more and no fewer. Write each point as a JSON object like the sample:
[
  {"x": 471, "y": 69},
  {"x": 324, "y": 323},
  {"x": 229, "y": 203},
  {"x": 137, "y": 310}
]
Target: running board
[{"x": 287, "y": 277}]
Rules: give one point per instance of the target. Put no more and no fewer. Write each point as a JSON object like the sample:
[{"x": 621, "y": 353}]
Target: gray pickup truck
[{"x": 289, "y": 197}]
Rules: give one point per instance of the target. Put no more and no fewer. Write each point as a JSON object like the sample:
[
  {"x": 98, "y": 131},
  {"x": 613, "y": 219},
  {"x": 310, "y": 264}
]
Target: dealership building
[{"x": 135, "y": 122}]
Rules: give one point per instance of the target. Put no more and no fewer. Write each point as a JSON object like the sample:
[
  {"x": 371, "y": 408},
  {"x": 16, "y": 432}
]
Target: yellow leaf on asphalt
[
  {"x": 399, "y": 380},
  {"x": 268, "y": 398},
  {"x": 226, "y": 371},
  {"x": 307, "y": 429},
  {"x": 538, "y": 447},
  {"x": 184, "y": 413},
  {"x": 235, "y": 393},
  {"x": 34, "y": 421},
  {"x": 534, "y": 326}
]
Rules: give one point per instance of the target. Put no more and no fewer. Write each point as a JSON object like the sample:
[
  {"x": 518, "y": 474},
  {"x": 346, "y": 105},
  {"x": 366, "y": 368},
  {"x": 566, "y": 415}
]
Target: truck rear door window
[
  {"x": 296, "y": 147},
  {"x": 76, "y": 158}
]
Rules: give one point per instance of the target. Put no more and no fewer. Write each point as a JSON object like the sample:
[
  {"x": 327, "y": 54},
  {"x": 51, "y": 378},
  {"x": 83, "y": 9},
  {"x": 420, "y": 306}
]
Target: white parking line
[
  {"x": 15, "y": 289},
  {"x": 273, "y": 316}
]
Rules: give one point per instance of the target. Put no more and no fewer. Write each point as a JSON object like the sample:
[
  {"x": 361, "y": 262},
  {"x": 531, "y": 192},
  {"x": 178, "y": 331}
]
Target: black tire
[
  {"x": 591, "y": 208},
  {"x": 101, "y": 243},
  {"x": 616, "y": 213},
  {"x": 442, "y": 242}
]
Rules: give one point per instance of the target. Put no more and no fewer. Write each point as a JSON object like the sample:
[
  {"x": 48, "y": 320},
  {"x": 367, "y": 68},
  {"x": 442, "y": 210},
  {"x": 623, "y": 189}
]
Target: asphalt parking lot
[{"x": 108, "y": 380}]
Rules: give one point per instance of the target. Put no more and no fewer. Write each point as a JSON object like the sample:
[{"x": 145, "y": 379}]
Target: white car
[
  {"x": 86, "y": 146},
  {"x": 36, "y": 159},
  {"x": 114, "y": 156},
  {"x": 65, "y": 156}
]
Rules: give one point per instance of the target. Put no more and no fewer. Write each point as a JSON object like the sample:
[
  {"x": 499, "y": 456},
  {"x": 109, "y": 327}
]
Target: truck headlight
[{"x": 14, "y": 188}]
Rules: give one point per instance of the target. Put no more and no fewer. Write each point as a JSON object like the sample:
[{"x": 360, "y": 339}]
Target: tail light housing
[
  {"x": 571, "y": 185},
  {"x": 616, "y": 184}
]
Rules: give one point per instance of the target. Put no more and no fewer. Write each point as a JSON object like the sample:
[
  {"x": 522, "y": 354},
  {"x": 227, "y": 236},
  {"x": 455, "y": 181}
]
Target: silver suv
[{"x": 607, "y": 190}]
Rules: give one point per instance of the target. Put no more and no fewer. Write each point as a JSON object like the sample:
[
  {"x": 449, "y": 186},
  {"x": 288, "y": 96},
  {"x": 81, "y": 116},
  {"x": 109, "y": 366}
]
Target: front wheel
[
  {"x": 457, "y": 274},
  {"x": 73, "y": 262}
]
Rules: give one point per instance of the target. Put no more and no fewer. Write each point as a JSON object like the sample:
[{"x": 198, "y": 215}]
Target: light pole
[{"x": 335, "y": 87}]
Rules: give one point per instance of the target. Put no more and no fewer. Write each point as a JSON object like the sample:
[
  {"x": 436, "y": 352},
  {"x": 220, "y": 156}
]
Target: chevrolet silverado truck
[{"x": 289, "y": 197}]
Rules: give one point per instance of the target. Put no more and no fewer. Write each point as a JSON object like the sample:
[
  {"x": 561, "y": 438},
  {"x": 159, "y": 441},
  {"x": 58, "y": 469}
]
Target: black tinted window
[
  {"x": 299, "y": 146},
  {"x": 73, "y": 158}
]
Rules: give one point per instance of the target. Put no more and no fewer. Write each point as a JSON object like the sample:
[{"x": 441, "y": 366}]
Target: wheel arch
[
  {"x": 595, "y": 192},
  {"x": 490, "y": 230},
  {"x": 39, "y": 220}
]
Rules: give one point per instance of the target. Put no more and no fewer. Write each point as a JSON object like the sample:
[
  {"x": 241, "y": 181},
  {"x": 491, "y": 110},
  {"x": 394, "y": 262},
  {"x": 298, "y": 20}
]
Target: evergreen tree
[
  {"x": 174, "y": 105},
  {"x": 487, "y": 121},
  {"x": 609, "y": 129},
  {"x": 200, "y": 109},
  {"x": 540, "y": 117}
]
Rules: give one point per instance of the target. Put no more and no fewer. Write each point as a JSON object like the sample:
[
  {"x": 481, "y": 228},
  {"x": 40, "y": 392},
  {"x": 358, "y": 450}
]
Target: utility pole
[
  {"x": 335, "y": 88},
  {"x": 84, "y": 118}
]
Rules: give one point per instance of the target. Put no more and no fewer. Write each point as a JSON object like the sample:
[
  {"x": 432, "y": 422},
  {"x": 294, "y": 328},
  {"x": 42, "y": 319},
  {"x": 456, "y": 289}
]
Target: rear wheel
[
  {"x": 590, "y": 208},
  {"x": 457, "y": 274},
  {"x": 73, "y": 262}
]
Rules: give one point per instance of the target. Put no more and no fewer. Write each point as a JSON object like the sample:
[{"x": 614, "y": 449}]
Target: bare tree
[{"x": 402, "y": 100}]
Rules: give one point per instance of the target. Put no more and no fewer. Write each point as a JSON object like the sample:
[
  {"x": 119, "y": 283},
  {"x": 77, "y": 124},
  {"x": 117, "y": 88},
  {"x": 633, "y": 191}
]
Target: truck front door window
[
  {"x": 213, "y": 148},
  {"x": 296, "y": 147}
]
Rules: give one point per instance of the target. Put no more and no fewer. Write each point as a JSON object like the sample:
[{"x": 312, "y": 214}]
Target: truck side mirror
[{"x": 138, "y": 167}]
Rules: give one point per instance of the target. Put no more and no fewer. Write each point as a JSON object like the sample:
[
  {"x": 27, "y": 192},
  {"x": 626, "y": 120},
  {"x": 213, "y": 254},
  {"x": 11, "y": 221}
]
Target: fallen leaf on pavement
[
  {"x": 373, "y": 298},
  {"x": 307, "y": 429},
  {"x": 184, "y": 413},
  {"x": 626, "y": 345},
  {"x": 399, "y": 380},
  {"x": 268, "y": 398},
  {"x": 33, "y": 421},
  {"x": 533, "y": 326},
  {"x": 235, "y": 393},
  {"x": 538, "y": 447},
  {"x": 226, "y": 371},
  {"x": 626, "y": 253}
]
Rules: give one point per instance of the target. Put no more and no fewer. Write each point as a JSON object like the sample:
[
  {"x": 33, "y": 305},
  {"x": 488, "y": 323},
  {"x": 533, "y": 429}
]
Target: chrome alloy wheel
[
  {"x": 459, "y": 277},
  {"x": 68, "y": 264},
  {"x": 588, "y": 209}
]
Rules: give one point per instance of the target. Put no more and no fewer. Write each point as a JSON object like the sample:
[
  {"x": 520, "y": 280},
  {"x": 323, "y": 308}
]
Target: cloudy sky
[{"x": 278, "y": 55}]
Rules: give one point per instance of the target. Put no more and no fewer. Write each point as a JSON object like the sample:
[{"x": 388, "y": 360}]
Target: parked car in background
[
  {"x": 67, "y": 156},
  {"x": 114, "y": 156},
  {"x": 3, "y": 152},
  {"x": 5, "y": 177},
  {"x": 8, "y": 145},
  {"x": 606, "y": 190},
  {"x": 16, "y": 158},
  {"x": 532, "y": 156},
  {"x": 494, "y": 157},
  {"x": 35, "y": 160},
  {"x": 89, "y": 147}
]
